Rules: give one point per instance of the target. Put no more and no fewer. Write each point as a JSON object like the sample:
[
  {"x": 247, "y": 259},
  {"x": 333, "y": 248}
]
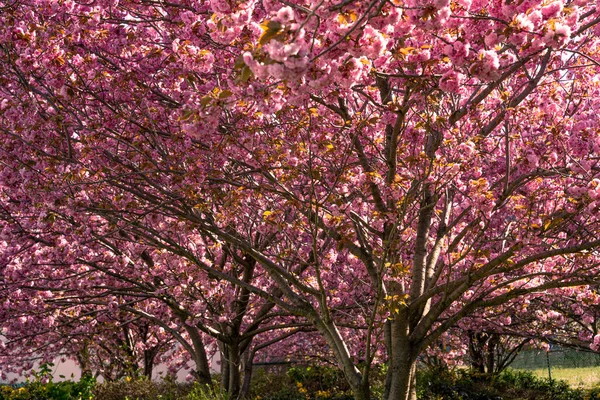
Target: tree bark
[
  {"x": 402, "y": 371},
  {"x": 387, "y": 335},
  {"x": 224, "y": 366},
  {"x": 200, "y": 358},
  {"x": 248, "y": 358},
  {"x": 492, "y": 359},
  {"x": 234, "y": 361},
  {"x": 330, "y": 332},
  {"x": 362, "y": 393},
  {"x": 476, "y": 345},
  {"x": 149, "y": 356},
  {"x": 403, "y": 377},
  {"x": 83, "y": 359}
]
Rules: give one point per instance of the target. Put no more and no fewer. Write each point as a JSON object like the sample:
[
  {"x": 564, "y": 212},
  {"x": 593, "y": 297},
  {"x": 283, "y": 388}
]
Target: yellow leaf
[
  {"x": 271, "y": 29},
  {"x": 347, "y": 17}
]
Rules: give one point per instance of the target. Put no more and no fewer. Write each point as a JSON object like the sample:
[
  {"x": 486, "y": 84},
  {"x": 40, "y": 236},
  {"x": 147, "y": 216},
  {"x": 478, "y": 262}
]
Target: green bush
[
  {"x": 301, "y": 383},
  {"x": 524, "y": 383},
  {"x": 202, "y": 392},
  {"x": 320, "y": 382},
  {"x": 67, "y": 390},
  {"x": 444, "y": 384},
  {"x": 270, "y": 386},
  {"x": 141, "y": 389},
  {"x": 42, "y": 388},
  {"x": 308, "y": 383}
]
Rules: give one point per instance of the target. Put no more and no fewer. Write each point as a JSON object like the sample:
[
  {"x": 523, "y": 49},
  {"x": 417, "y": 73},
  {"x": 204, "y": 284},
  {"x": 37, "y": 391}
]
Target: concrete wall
[{"x": 70, "y": 371}]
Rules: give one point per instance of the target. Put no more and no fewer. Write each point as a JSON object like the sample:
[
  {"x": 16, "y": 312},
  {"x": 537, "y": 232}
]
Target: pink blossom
[
  {"x": 486, "y": 68},
  {"x": 451, "y": 81},
  {"x": 552, "y": 10},
  {"x": 285, "y": 15}
]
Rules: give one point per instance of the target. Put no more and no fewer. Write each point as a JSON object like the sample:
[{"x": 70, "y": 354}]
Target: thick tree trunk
[
  {"x": 224, "y": 367},
  {"x": 403, "y": 379},
  {"x": 476, "y": 344},
  {"x": 492, "y": 359},
  {"x": 234, "y": 360},
  {"x": 198, "y": 353},
  {"x": 362, "y": 392},
  {"x": 248, "y": 363},
  {"x": 403, "y": 360},
  {"x": 231, "y": 377},
  {"x": 149, "y": 356},
  {"x": 202, "y": 370}
]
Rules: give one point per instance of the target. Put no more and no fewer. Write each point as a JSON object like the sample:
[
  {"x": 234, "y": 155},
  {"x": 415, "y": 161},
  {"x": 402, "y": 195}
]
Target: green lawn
[{"x": 584, "y": 377}]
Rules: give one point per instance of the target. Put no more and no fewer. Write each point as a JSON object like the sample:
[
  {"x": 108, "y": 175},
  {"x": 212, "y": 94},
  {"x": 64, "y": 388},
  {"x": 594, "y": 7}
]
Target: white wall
[{"x": 70, "y": 371}]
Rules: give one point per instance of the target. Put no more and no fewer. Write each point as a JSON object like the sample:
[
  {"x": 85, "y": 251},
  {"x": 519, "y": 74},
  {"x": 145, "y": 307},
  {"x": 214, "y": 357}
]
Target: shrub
[
  {"x": 270, "y": 386},
  {"x": 201, "y": 392},
  {"x": 320, "y": 382},
  {"x": 301, "y": 383},
  {"x": 439, "y": 383},
  {"x": 67, "y": 390},
  {"x": 141, "y": 389},
  {"x": 42, "y": 388}
]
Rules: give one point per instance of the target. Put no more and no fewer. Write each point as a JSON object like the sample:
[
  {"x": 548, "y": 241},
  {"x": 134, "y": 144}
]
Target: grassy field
[
  {"x": 584, "y": 377},
  {"x": 579, "y": 369}
]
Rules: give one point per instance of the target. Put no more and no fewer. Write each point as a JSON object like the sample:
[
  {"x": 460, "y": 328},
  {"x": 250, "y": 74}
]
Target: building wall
[{"x": 71, "y": 371}]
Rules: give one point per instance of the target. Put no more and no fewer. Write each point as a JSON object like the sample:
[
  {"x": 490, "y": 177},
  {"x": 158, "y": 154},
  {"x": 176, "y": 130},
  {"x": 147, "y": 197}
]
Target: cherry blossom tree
[
  {"x": 410, "y": 161},
  {"x": 108, "y": 278}
]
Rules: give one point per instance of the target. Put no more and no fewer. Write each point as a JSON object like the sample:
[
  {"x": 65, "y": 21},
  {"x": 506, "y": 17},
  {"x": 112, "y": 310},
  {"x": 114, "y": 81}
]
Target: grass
[{"x": 583, "y": 377}]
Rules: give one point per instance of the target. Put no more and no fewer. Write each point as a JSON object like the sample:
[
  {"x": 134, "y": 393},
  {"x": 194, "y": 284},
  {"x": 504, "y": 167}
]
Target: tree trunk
[
  {"x": 492, "y": 359},
  {"x": 234, "y": 371},
  {"x": 231, "y": 378},
  {"x": 248, "y": 358},
  {"x": 387, "y": 336},
  {"x": 83, "y": 359},
  {"x": 476, "y": 351},
  {"x": 330, "y": 332},
  {"x": 403, "y": 360},
  {"x": 362, "y": 392},
  {"x": 403, "y": 379},
  {"x": 224, "y": 367},
  {"x": 149, "y": 356},
  {"x": 199, "y": 354}
]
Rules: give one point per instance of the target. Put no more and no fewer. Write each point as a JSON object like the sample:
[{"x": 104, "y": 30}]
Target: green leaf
[
  {"x": 205, "y": 101},
  {"x": 246, "y": 74},
  {"x": 225, "y": 94},
  {"x": 187, "y": 114}
]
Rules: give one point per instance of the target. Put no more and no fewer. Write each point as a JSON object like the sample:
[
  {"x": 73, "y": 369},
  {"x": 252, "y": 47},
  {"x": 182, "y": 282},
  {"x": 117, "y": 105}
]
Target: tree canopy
[{"x": 378, "y": 169}]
